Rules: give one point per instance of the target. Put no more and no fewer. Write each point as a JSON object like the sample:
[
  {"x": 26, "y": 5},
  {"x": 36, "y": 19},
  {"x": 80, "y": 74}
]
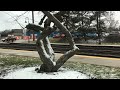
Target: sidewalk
[{"x": 115, "y": 62}]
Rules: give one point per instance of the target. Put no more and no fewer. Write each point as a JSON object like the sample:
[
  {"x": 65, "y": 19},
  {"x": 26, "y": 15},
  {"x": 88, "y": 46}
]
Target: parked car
[{"x": 9, "y": 39}]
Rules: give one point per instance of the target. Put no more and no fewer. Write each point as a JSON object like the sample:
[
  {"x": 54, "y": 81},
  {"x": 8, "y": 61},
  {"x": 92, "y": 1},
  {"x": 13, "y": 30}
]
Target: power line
[
  {"x": 18, "y": 17},
  {"x": 22, "y": 14},
  {"x": 25, "y": 17},
  {"x": 14, "y": 19}
]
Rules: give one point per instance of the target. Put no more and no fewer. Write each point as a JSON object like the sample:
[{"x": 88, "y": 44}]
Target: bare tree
[{"x": 44, "y": 48}]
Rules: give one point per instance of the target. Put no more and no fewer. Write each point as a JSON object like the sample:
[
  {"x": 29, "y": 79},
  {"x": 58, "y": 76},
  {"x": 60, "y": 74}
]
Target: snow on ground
[{"x": 30, "y": 73}]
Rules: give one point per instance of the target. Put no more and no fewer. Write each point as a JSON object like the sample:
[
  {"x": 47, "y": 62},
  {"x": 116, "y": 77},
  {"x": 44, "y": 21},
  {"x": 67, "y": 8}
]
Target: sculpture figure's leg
[
  {"x": 64, "y": 58},
  {"x": 45, "y": 51},
  {"x": 49, "y": 49},
  {"x": 45, "y": 58}
]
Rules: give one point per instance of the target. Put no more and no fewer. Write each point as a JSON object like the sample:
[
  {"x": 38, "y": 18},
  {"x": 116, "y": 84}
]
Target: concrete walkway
[{"x": 115, "y": 62}]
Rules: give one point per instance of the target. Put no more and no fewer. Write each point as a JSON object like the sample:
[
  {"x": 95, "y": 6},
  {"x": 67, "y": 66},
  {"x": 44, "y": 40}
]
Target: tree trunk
[{"x": 98, "y": 27}]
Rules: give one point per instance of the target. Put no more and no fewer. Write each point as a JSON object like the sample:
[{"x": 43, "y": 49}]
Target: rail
[{"x": 92, "y": 50}]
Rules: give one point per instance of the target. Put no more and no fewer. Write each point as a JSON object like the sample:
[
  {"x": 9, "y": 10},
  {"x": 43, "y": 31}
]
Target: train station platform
[{"x": 115, "y": 62}]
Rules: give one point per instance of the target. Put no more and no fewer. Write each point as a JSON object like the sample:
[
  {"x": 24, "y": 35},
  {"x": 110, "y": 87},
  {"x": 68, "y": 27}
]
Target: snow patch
[
  {"x": 54, "y": 63},
  {"x": 30, "y": 73}
]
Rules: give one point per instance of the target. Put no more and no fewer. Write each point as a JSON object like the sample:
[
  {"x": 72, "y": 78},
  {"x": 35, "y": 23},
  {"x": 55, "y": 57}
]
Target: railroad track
[{"x": 93, "y": 50}]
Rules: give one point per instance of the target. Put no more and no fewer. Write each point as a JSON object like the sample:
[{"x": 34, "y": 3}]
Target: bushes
[{"x": 113, "y": 38}]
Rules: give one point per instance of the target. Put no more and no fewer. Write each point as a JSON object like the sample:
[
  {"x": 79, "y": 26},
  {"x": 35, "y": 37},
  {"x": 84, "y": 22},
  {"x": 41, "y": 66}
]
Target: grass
[
  {"x": 110, "y": 43},
  {"x": 54, "y": 40},
  {"x": 95, "y": 71},
  {"x": 9, "y": 63},
  {"x": 8, "y": 60}
]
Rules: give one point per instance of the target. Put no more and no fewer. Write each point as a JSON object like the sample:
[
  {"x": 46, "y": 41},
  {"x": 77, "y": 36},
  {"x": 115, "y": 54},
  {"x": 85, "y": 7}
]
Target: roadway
[{"x": 115, "y": 62}]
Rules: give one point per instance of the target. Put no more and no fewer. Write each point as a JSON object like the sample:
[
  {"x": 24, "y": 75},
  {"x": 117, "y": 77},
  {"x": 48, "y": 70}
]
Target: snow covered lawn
[
  {"x": 19, "y": 64},
  {"x": 30, "y": 73}
]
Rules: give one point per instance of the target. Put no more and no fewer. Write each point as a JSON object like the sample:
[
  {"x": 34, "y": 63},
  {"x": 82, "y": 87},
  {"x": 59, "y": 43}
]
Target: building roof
[{"x": 17, "y": 30}]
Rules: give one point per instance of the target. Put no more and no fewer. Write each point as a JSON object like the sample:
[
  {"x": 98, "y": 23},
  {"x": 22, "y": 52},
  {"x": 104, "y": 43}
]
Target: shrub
[{"x": 113, "y": 38}]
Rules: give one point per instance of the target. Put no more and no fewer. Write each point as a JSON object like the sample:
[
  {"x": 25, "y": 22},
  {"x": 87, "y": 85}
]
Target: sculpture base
[{"x": 30, "y": 73}]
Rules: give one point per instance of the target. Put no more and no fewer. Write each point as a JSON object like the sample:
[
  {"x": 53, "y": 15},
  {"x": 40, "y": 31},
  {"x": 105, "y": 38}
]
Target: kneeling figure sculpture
[{"x": 44, "y": 48}]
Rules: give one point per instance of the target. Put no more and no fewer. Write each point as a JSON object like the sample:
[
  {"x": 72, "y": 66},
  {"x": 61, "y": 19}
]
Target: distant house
[{"x": 17, "y": 32}]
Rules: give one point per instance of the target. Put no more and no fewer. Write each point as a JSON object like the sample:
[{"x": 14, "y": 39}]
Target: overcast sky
[
  {"x": 117, "y": 15},
  {"x": 8, "y": 22}
]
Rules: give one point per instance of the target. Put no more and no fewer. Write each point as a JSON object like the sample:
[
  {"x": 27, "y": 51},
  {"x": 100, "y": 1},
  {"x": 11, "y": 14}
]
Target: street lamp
[{"x": 26, "y": 20}]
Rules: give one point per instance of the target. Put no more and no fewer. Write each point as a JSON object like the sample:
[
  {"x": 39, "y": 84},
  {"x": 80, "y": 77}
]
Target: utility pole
[{"x": 33, "y": 22}]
